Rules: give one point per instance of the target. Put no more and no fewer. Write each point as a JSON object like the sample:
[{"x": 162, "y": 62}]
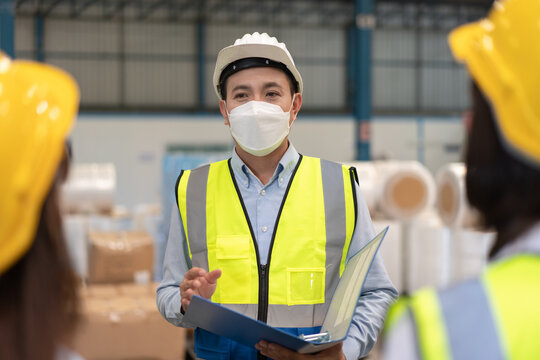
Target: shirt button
[
  {"x": 281, "y": 180},
  {"x": 264, "y": 228},
  {"x": 263, "y": 192}
]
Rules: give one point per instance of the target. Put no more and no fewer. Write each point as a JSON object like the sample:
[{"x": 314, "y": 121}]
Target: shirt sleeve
[
  {"x": 175, "y": 264},
  {"x": 377, "y": 295}
]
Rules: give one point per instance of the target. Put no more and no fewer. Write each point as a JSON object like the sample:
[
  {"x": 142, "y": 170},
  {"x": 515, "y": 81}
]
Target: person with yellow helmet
[
  {"x": 38, "y": 299},
  {"x": 497, "y": 315},
  {"x": 268, "y": 231}
]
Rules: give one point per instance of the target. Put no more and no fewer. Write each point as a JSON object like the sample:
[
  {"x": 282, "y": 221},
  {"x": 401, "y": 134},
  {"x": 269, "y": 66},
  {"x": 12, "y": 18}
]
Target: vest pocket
[
  {"x": 305, "y": 285},
  {"x": 233, "y": 255}
]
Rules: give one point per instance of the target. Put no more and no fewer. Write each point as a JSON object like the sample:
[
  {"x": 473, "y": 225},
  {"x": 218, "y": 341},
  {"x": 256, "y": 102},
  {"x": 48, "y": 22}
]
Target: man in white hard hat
[{"x": 268, "y": 231}]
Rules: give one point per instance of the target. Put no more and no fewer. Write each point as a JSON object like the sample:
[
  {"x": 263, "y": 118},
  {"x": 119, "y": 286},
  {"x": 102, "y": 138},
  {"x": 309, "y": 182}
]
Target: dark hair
[
  {"x": 504, "y": 188},
  {"x": 248, "y": 63},
  {"x": 38, "y": 295}
]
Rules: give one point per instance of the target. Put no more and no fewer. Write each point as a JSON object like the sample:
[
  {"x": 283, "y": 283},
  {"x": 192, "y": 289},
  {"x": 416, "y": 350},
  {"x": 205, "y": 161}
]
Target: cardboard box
[
  {"x": 99, "y": 291},
  {"x": 135, "y": 290},
  {"x": 121, "y": 327},
  {"x": 120, "y": 256}
]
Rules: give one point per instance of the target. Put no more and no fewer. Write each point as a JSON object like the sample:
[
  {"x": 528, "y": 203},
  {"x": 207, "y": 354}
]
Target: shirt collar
[{"x": 284, "y": 169}]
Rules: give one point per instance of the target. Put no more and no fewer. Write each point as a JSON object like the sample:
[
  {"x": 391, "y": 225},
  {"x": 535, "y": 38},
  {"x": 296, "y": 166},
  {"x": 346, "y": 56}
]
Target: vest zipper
[
  {"x": 262, "y": 309},
  {"x": 264, "y": 273},
  {"x": 263, "y": 293},
  {"x": 265, "y": 269}
]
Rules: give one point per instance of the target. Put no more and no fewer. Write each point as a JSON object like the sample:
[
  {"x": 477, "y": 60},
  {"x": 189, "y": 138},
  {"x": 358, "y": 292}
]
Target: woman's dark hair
[
  {"x": 504, "y": 188},
  {"x": 38, "y": 295}
]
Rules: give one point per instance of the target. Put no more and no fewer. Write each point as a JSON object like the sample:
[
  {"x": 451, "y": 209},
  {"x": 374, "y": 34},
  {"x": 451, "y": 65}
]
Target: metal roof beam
[
  {"x": 18, "y": 3},
  {"x": 79, "y": 9},
  {"x": 116, "y": 8},
  {"x": 50, "y": 8},
  {"x": 148, "y": 10}
]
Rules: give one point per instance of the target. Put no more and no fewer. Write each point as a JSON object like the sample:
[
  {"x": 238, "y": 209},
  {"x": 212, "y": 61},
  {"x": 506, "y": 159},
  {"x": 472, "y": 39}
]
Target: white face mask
[{"x": 259, "y": 127}]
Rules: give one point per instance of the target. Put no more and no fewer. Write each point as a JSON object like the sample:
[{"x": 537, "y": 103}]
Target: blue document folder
[{"x": 243, "y": 329}]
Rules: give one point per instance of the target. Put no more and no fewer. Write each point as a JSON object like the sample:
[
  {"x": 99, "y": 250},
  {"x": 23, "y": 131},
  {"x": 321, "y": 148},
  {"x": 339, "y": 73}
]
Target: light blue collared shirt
[
  {"x": 262, "y": 204},
  {"x": 263, "y": 201}
]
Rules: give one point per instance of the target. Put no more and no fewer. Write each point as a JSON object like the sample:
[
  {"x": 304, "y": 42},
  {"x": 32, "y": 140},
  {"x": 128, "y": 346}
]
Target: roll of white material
[
  {"x": 392, "y": 250},
  {"x": 367, "y": 181},
  {"x": 470, "y": 252},
  {"x": 405, "y": 189},
  {"x": 90, "y": 188},
  {"x": 452, "y": 205}
]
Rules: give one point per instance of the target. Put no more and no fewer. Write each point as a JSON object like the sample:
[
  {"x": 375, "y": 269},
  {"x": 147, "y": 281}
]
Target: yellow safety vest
[
  {"x": 309, "y": 243},
  {"x": 495, "y": 317}
]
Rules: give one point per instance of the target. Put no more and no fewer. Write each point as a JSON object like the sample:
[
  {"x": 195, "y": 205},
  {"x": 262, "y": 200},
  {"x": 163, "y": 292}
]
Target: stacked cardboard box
[
  {"x": 120, "y": 256},
  {"x": 122, "y": 322}
]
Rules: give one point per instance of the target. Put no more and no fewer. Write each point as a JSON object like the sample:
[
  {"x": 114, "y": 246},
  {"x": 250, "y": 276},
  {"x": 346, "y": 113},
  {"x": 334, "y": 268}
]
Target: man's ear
[
  {"x": 223, "y": 110},
  {"x": 297, "y": 104}
]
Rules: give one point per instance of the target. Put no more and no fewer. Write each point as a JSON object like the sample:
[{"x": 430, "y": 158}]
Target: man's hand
[
  {"x": 277, "y": 352},
  {"x": 198, "y": 282}
]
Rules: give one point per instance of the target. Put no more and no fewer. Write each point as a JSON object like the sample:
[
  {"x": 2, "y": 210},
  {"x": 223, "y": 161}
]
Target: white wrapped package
[
  {"x": 405, "y": 189},
  {"x": 452, "y": 205},
  {"x": 470, "y": 252},
  {"x": 148, "y": 217},
  {"x": 76, "y": 236},
  {"x": 428, "y": 253},
  {"x": 392, "y": 250},
  {"x": 120, "y": 219},
  {"x": 90, "y": 188}
]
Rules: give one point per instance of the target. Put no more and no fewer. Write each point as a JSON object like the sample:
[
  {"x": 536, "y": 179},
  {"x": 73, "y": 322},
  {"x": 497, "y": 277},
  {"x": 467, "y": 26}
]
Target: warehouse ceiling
[
  {"x": 447, "y": 2},
  {"x": 408, "y": 13}
]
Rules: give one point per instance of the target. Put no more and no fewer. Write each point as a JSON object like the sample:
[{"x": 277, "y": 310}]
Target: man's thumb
[{"x": 212, "y": 277}]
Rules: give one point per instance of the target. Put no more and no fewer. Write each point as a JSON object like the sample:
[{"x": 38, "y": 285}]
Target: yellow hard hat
[
  {"x": 502, "y": 53},
  {"x": 38, "y": 104}
]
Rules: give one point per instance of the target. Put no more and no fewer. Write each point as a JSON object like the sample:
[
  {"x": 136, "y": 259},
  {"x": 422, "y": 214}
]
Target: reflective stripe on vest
[
  {"x": 513, "y": 286},
  {"x": 308, "y": 249},
  {"x": 496, "y": 317},
  {"x": 432, "y": 339}
]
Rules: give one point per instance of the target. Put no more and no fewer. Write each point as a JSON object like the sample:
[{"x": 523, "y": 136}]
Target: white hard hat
[{"x": 263, "y": 50}]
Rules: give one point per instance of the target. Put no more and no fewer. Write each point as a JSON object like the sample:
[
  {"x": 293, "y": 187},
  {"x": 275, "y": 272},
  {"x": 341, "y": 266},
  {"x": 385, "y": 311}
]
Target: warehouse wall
[
  {"x": 413, "y": 70},
  {"x": 153, "y": 65},
  {"x": 129, "y": 63},
  {"x": 137, "y": 144}
]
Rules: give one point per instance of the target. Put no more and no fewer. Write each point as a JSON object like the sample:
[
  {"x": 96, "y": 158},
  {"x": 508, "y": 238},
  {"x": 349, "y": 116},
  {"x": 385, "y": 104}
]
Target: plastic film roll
[
  {"x": 405, "y": 189},
  {"x": 452, "y": 205}
]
